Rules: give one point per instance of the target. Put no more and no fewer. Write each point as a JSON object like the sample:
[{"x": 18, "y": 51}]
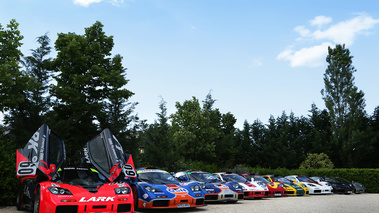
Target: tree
[
  {"x": 30, "y": 114},
  {"x": 158, "y": 143},
  {"x": 344, "y": 103},
  {"x": 193, "y": 134},
  {"x": 316, "y": 161},
  {"x": 90, "y": 92},
  {"x": 13, "y": 81}
]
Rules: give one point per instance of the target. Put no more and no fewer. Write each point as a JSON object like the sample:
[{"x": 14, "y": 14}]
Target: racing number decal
[
  {"x": 129, "y": 170},
  {"x": 26, "y": 168}
]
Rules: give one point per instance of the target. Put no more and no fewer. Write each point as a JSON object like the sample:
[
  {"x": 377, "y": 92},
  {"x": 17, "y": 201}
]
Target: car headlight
[
  {"x": 311, "y": 184},
  {"x": 151, "y": 189},
  {"x": 236, "y": 186},
  {"x": 122, "y": 190},
  {"x": 195, "y": 188},
  {"x": 59, "y": 191}
]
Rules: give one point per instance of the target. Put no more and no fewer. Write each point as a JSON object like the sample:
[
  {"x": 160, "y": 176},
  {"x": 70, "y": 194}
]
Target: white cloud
[
  {"x": 310, "y": 56},
  {"x": 344, "y": 32},
  {"x": 320, "y": 20},
  {"x": 85, "y": 3}
]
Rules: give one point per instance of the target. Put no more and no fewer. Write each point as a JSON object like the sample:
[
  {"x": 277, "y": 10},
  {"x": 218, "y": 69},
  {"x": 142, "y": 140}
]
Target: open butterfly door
[
  {"x": 107, "y": 155},
  {"x": 44, "y": 152}
]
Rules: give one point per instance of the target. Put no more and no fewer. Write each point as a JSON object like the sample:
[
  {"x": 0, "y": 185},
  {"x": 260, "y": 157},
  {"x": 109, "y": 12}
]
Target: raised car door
[
  {"x": 106, "y": 153},
  {"x": 44, "y": 152}
]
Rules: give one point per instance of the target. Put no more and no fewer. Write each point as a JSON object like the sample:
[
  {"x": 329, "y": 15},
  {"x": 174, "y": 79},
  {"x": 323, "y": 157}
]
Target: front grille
[
  {"x": 211, "y": 197},
  {"x": 199, "y": 201},
  {"x": 317, "y": 191},
  {"x": 228, "y": 196},
  {"x": 246, "y": 193},
  {"x": 99, "y": 207},
  {"x": 184, "y": 201},
  {"x": 124, "y": 207},
  {"x": 160, "y": 203},
  {"x": 290, "y": 192},
  {"x": 257, "y": 193},
  {"x": 266, "y": 193},
  {"x": 240, "y": 196},
  {"x": 66, "y": 209}
]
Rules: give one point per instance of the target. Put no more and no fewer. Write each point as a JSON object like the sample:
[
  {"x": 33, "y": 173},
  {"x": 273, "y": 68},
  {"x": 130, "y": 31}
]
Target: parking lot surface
[{"x": 313, "y": 203}]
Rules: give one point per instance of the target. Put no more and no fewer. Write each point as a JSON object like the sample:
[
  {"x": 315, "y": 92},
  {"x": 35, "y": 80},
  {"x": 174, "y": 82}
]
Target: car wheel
[
  {"x": 135, "y": 197},
  {"x": 37, "y": 201}
]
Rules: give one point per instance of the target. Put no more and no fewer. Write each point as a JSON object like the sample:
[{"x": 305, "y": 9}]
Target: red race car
[
  {"x": 276, "y": 190},
  {"x": 46, "y": 186}
]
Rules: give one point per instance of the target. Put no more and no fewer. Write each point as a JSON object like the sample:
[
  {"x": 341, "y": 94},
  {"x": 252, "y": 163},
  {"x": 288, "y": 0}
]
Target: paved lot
[{"x": 314, "y": 203}]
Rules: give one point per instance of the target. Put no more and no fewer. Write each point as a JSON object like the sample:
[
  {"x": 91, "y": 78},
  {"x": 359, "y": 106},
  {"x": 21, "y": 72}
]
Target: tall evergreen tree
[
  {"x": 158, "y": 143},
  {"x": 344, "y": 102}
]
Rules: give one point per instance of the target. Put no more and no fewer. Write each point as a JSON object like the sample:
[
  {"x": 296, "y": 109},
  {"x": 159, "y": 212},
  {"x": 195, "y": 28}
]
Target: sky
[{"x": 256, "y": 58}]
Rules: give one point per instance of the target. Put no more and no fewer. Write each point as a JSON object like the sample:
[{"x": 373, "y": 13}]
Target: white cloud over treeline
[{"x": 326, "y": 34}]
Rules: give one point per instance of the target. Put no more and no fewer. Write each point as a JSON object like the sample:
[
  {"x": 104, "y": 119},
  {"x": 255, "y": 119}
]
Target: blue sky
[{"x": 257, "y": 58}]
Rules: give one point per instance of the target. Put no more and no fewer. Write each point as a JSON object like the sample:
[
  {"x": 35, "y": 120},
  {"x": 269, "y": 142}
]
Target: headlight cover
[
  {"x": 236, "y": 186},
  {"x": 59, "y": 191},
  {"x": 195, "y": 188},
  {"x": 122, "y": 190},
  {"x": 151, "y": 189}
]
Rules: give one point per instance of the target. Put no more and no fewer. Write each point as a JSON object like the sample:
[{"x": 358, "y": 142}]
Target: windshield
[
  {"x": 237, "y": 178},
  {"x": 79, "y": 176},
  {"x": 305, "y": 179},
  {"x": 203, "y": 177},
  {"x": 284, "y": 180},
  {"x": 336, "y": 180},
  {"x": 259, "y": 179},
  {"x": 157, "y": 178}
]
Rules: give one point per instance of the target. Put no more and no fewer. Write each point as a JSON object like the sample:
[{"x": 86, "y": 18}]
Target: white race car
[
  {"x": 250, "y": 190},
  {"x": 313, "y": 186}
]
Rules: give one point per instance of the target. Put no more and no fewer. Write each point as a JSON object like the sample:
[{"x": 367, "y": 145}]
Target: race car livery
[
  {"x": 214, "y": 188},
  {"x": 291, "y": 188},
  {"x": 250, "y": 190},
  {"x": 313, "y": 186},
  {"x": 275, "y": 189},
  {"x": 157, "y": 189},
  {"x": 46, "y": 186}
]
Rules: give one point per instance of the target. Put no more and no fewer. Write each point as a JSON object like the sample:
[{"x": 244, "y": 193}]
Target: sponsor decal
[
  {"x": 145, "y": 196},
  {"x": 96, "y": 199},
  {"x": 33, "y": 142},
  {"x": 86, "y": 155},
  {"x": 177, "y": 190}
]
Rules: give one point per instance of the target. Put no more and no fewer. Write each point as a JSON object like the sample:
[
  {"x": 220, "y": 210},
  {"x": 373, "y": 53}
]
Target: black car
[{"x": 340, "y": 185}]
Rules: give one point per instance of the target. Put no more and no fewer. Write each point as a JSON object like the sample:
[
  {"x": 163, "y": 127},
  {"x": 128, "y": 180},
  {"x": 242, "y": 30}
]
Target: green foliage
[
  {"x": 90, "y": 90},
  {"x": 344, "y": 102},
  {"x": 316, "y": 161},
  {"x": 8, "y": 183},
  {"x": 13, "y": 80}
]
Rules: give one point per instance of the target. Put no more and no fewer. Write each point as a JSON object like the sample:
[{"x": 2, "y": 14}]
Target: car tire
[
  {"x": 135, "y": 197},
  {"x": 37, "y": 201}
]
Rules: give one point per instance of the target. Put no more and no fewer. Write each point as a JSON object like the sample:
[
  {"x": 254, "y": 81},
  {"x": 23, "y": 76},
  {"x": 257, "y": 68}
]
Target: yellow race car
[{"x": 297, "y": 189}]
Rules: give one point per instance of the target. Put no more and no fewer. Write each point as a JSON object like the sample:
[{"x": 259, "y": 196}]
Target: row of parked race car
[{"x": 107, "y": 181}]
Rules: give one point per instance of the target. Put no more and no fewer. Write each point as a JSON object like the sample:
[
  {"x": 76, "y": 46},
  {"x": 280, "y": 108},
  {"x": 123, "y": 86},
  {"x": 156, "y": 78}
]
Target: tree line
[{"x": 83, "y": 90}]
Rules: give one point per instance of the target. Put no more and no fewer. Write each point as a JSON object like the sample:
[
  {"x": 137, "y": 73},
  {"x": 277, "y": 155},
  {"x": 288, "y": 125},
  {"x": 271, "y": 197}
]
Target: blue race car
[
  {"x": 157, "y": 189},
  {"x": 215, "y": 189}
]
